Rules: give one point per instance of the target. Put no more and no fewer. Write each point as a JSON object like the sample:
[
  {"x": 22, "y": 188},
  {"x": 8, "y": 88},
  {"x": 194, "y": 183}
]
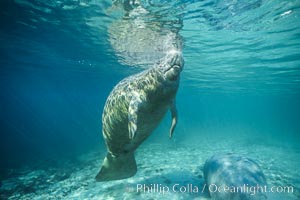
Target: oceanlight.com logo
[
  {"x": 212, "y": 188},
  {"x": 245, "y": 188}
]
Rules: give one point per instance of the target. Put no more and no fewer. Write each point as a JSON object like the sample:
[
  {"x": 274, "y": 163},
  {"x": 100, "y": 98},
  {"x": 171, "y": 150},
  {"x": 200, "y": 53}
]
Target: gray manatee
[
  {"x": 234, "y": 177},
  {"x": 133, "y": 110}
]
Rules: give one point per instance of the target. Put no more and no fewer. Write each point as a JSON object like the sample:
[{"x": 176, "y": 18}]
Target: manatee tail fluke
[{"x": 117, "y": 167}]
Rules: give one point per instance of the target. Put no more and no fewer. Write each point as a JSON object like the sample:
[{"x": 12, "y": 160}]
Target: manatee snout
[
  {"x": 173, "y": 66},
  {"x": 176, "y": 60},
  {"x": 173, "y": 73}
]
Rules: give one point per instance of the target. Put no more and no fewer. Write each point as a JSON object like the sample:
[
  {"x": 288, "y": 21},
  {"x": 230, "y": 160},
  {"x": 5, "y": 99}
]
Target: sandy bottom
[{"x": 165, "y": 171}]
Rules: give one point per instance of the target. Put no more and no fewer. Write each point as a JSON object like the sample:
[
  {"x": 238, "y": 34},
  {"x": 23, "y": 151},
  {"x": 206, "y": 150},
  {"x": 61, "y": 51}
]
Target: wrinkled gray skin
[
  {"x": 233, "y": 170},
  {"x": 133, "y": 110}
]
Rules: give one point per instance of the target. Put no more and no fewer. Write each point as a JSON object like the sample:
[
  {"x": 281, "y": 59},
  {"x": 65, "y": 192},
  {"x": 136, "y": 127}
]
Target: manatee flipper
[
  {"x": 174, "y": 117},
  {"x": 117, "y": 167},
  {"x": 133, "y": 114}
]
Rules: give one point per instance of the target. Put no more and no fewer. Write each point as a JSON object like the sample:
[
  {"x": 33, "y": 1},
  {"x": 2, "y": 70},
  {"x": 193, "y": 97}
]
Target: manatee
[
  {"x": 133, "y": 110},
  {"x": 237, "y": 177}
]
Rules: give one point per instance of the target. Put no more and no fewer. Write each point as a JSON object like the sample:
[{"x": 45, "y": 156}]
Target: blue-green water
[{"x": 239, "y": 90}]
